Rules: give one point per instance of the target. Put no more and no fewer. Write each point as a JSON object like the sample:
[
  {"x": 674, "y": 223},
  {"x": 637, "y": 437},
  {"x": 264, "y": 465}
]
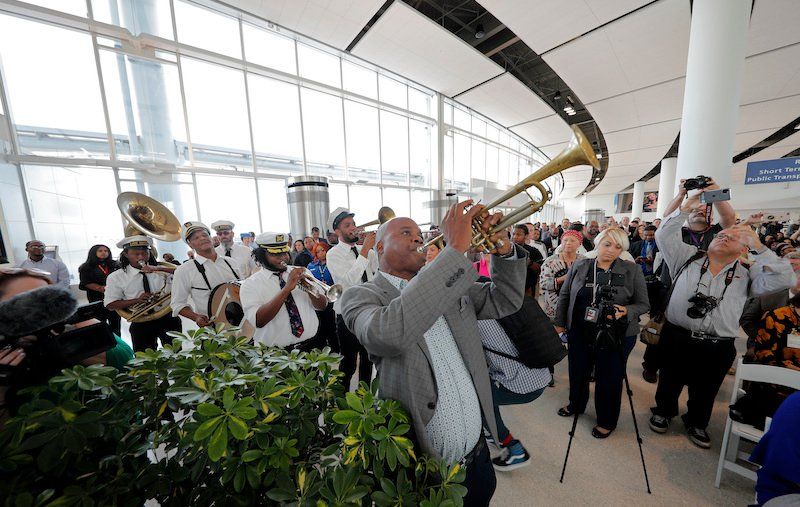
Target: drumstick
[{"x": 219, "y": 310}]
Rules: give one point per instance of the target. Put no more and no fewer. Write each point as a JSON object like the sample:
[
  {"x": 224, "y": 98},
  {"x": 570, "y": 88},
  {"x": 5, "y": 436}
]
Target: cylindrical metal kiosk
[{"x": 308, "y": 204}]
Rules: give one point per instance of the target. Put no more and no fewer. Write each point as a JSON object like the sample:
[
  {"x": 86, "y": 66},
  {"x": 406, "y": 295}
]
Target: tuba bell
[
  {"x": 384, "y": 215},
  {"x": 145, "y": 215},
  {"x": 578, "y": 152}
]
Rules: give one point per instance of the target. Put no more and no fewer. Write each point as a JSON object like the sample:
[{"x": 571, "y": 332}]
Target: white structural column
[
  {"x": 714, "y": 68},
  {"x": 666, "y": 184},
  {"x": 638, "y": 199}
]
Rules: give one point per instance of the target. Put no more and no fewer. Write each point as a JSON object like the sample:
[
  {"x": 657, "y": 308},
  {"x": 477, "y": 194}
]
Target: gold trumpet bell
[
  {"x": 147, "y": 216},
  {"x": 384, "y": 215}
]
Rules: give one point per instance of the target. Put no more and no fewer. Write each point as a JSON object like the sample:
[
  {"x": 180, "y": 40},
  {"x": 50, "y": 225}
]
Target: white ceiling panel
[
  {"x": 647, "y": 136},
  {"x": 745, "y": 140},
  {"x": 548, "y": 23},
  {"x": 773, "y": 74},
  {"x": 545, "y": 131},
  {"x": 333, "y": 22},
  {"x": 641, "y": 49},
  {"x": 773, "y": 24},
  {"x": 653, "y": 104},
  {"x": 614, "y": 183},
  {"x": 641, "y": 156},
  {"x": 406, "y": 42},
  {"x": 506, "y": 100},
  {"x": 554, "y": 149},
  {"x": 772, "y": 114},
  {"x": 777, "y": 150}
]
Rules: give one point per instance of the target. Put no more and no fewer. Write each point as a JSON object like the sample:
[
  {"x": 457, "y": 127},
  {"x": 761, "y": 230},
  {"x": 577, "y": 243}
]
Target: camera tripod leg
[
  {"x": 569, "y": 445},
  {"x": 629, "y": 391}
]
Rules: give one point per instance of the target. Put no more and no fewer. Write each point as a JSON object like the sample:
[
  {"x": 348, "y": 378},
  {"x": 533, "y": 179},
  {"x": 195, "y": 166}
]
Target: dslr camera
[
  {"x": 56, "y": 346},
  {"x": 697, "y": 182},
  {"x": 701, "y": 305},
  {"x": 605, "y": 282}
]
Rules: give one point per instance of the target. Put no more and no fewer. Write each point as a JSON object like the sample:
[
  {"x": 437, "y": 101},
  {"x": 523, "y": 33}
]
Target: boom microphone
[{"x": 37, "y": 309}]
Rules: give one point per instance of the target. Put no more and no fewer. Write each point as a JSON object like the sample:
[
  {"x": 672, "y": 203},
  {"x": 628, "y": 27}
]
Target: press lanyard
[{"x": 728, "y": 278}]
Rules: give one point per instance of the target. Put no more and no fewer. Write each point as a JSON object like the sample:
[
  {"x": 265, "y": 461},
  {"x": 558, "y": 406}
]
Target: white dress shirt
[
  {"x": 188, "y": 283},
  {"x": 59, "y": 274},
  {"x": 127, "y": 284},
  {"x": 262, "y": 287},
  {"x": 242, "y": 255},
  {"x": 346, "y": 267},
  {"x": 768, "y": 273},
  {"x": 456, "y": 424}
]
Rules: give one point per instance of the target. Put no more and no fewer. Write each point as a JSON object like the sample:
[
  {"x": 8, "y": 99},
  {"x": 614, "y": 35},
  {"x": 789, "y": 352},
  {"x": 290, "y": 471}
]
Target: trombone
[{"x": 578, "y": 152}]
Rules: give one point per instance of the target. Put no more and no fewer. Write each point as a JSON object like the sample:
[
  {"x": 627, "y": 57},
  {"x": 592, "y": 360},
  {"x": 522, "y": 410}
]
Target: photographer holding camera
[
  {"x": 709, "y": 294},
  {"x": 599, "y": 306}
]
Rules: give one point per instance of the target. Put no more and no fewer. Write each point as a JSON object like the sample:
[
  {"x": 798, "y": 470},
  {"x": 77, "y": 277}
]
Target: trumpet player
[
  {"x": 351, "y": 264},
  {"x": 137, "y": 280},
  {"x": 274, "y": 299}
]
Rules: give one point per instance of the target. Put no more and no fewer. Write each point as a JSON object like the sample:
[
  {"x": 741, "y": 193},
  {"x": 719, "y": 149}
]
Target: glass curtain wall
[{"x": 208, "y": 110}]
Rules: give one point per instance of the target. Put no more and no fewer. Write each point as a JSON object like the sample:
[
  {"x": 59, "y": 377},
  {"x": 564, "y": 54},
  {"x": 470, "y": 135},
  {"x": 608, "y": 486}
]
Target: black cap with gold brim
[{"x": 273, "y": 242}]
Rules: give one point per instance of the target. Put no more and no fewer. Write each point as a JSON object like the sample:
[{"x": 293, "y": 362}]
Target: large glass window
[
  {"x": 363, "y": 148},
  {"x": 420, "y": 207},
  {"x": 394, "y": 148},
  {"x": 274, "y": 208},
  {"x": 393, "y": 92},
  {"x": 318, "y": 65},
  {"x": 13, "y": 209},
  {"x": 398, "y": 200},
  {"x": 153, "y": 17},
  {"x": 365, "y": 201},
  {"x": 275, "y": 114},
  {"x": 73, "y": 208},
  {"x": 461, "y": 162},
  {"x": 360, "y": 80},
  {"x": 207, "y": 29},
  {"x": 229, "y": 198},
  {"x": 324, "y": 133},
  {"x": 421, "y": 153},
  {"x": 76, "y": 7},
  {"x": 145, "y": 108},
  {"x": 337, "y": 196},
  {"x": 217, "y": 121},
  {"x": 51, "y": 81},
  {"x": 269, "y": 49}
]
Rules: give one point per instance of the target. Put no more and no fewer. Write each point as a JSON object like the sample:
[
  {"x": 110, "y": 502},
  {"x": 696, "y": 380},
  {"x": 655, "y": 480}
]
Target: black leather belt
[{"x": 467, "y": 460}]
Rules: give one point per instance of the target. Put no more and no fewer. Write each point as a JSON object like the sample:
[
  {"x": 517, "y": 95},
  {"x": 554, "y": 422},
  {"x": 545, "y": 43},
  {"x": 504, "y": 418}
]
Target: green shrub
[{"x": 214, "y": 420}]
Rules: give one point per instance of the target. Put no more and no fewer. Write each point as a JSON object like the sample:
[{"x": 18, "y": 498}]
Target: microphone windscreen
[{"x": 37, "y": 309}]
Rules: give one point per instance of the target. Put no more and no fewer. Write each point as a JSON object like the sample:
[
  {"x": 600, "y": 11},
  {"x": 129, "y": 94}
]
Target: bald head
[{"x": 397, "y": 242}]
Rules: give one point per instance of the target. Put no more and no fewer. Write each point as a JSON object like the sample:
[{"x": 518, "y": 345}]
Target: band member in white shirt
[
  {"x": 138, "y": 279},
  {"x": 350, "y": 265},
  {"x": 227, "y": 248},
  {"x": 284, "y": 315},
  {"x": 196, "y": 278}
]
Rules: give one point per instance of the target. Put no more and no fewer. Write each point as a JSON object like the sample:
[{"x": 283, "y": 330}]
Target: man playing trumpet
[{"x": 275, "y": 302}]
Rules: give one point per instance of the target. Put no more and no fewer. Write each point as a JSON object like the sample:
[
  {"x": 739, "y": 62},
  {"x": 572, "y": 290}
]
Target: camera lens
[{"x": 695, "y": 312}]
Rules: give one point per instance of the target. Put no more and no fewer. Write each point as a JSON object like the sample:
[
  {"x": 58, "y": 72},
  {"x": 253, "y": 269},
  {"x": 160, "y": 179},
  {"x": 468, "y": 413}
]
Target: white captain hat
[
  {"x": 337, "y": 216},
  {"x": 222, "y": 225},
  {"x": 190, "y": 228},
  {"x": 135, "y": 241},
  {"x": 273, "y": 242}
]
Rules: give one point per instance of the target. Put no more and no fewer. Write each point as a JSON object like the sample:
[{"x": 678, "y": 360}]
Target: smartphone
[{"x": 710, "y": 196}]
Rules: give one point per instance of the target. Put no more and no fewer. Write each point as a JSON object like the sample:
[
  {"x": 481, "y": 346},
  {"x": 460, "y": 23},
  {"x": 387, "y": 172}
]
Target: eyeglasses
[{"x": 728, "y": 237}]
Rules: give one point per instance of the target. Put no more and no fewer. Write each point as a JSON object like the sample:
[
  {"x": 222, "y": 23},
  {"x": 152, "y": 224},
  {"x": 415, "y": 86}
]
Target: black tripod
[{"x": 608, "y": 336}]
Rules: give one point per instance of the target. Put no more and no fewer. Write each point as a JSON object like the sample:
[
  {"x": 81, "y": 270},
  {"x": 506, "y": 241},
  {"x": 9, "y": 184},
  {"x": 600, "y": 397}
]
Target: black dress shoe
[
  {"x": 598, "y": 434},
  {"x": 565, "y": 412}
]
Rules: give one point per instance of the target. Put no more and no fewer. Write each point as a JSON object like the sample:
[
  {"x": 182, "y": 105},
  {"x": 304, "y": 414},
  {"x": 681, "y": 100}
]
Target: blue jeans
[{"x": 502, "y": 396}]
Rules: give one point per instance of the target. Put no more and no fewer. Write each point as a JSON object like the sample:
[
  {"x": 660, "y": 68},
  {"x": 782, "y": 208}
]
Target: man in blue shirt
[
  {"x": 57, "y": 270},
  {"x": 644, "y": 250}
]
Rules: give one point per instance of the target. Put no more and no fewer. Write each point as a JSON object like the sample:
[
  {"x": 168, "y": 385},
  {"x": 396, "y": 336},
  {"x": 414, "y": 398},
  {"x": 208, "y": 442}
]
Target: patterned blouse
[
  {"x": 553, "y": 267},
  {"x": 771, "y": 341}
]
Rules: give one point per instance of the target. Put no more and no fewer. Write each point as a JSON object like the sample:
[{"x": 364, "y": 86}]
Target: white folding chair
[{"x": 734, "y": 431}]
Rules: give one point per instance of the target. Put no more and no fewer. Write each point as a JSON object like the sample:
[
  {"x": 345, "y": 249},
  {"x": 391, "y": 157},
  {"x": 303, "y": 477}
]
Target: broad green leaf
[
  {"x": 205, "y": 429},
  {"x": 208, "y": 409},
  {"x": 237, "y": 427},
  {"x": 218, "y": 443},
  {"x": 227, "y": 398},
  {"x": 252, "y": 455}
]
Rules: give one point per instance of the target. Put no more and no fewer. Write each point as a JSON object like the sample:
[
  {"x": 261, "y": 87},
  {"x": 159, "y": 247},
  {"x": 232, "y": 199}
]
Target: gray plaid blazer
[{"x": 391, "y": 326}]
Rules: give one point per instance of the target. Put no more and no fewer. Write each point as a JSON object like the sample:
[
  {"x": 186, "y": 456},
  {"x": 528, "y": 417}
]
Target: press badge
[
  {"x": 793, "y": 341},
  {"x": 591, "y": 315}
]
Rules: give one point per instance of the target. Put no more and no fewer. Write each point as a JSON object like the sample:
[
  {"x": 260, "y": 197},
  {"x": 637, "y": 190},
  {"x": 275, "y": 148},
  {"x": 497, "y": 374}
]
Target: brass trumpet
[
  {"x": 384, "y": 215},
  {"x": 578, "y": 152},
  {"x": 317, "y": 288}
]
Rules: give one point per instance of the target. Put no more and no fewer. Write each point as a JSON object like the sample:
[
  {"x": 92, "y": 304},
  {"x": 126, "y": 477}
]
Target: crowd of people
[{"x": 454, "y": 334}]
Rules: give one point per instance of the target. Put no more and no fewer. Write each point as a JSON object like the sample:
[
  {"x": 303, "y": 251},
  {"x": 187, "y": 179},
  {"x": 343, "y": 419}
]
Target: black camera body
[
  {"x": 606, "y": 283},
  {"x": 58, "y": 346},
  {"x": 697, "y": 182},
  {"x": 701, "y": 305}
]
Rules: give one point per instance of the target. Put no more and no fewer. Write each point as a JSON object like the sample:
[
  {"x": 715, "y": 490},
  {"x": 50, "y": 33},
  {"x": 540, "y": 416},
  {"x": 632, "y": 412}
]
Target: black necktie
[
  {"x": 364, "y": 274},
  {"x": 145, "y": 282},
  {"x": 227, "y": 252},
  {"x": 295, "y": 322}
]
